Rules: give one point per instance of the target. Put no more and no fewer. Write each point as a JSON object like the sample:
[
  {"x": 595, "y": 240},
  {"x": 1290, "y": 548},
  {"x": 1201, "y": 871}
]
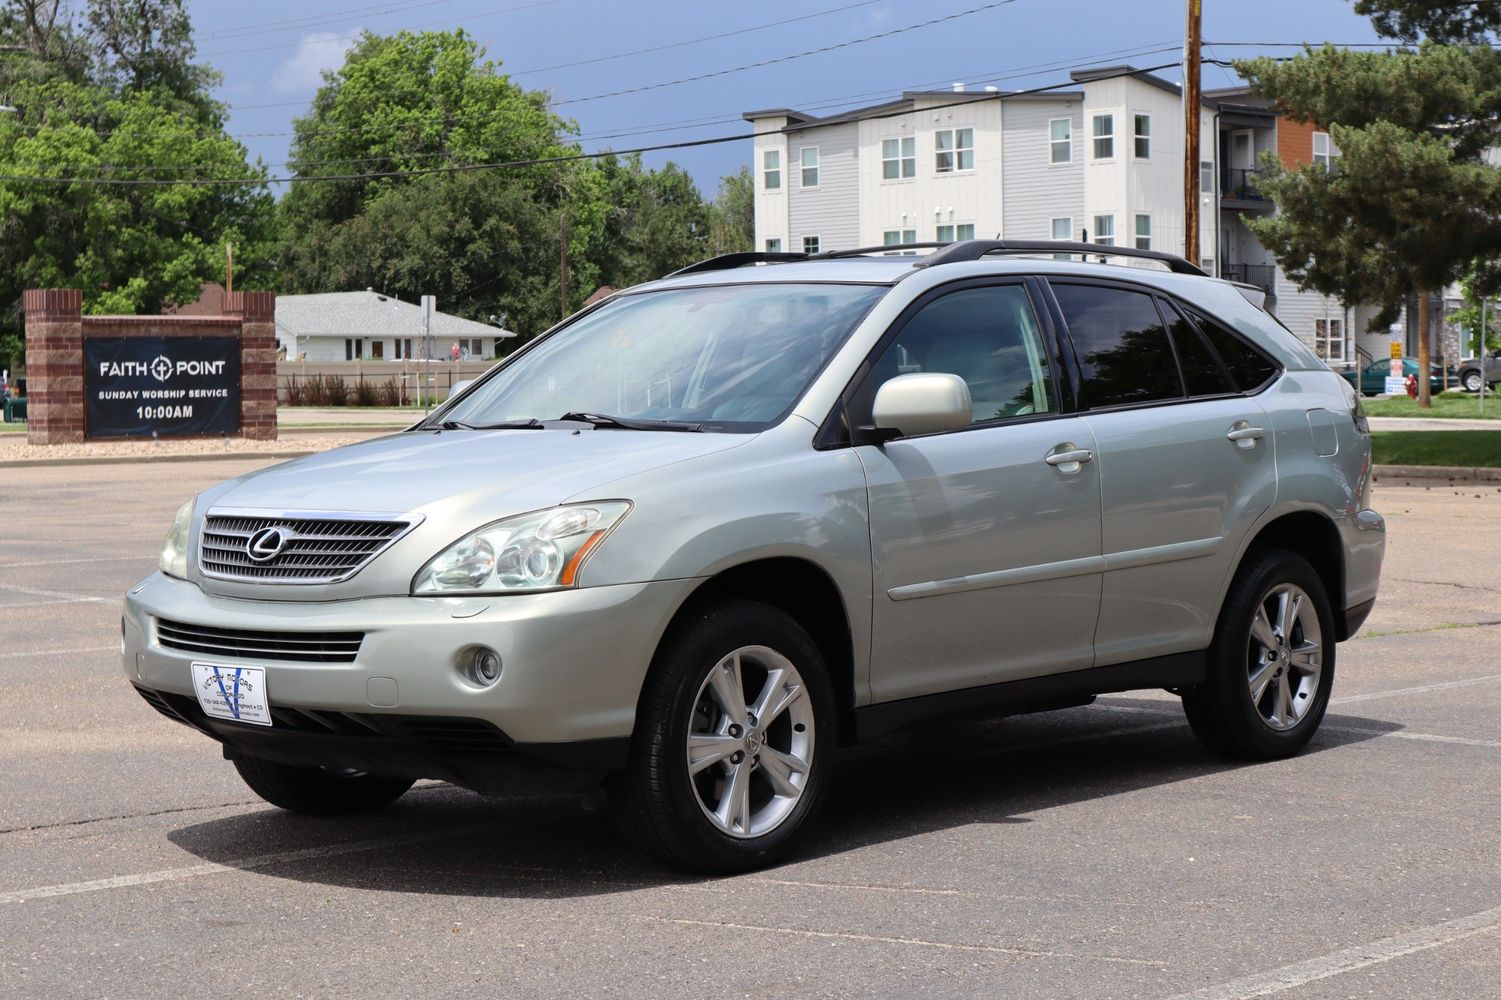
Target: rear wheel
[
  {"x": 316, "y": 790},
  {"x": 1271, "y": 664},
  {"x": 734, "y": 744},
  {"x": 1471, "y": 380}
]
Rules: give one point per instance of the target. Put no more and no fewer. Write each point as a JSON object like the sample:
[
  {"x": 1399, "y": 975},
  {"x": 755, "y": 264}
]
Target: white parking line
[
  {"x": 878, "y": 939},
  {"x": 65, "y": 597},
  {"x": 1402, "y": 734},
  {"x": 1360, "y": 956},
  {"x": 69, "y": 562},
  {"x": 238, "y": 864},
  {"x": 1351, "y": 699},
  {"x": 53, "y": 652}
]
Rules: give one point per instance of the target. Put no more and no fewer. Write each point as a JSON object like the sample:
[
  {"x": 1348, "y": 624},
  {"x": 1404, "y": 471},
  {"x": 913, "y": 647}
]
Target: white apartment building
[{"x": 1100, "y": 163}]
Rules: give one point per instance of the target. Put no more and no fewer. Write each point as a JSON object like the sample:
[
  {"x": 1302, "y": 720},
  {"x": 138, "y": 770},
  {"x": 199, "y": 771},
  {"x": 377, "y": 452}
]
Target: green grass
[
  {"x": 19, "y": 427},
  {"x": 1448, "y": 404},
  {"x": 1467, "y": 449}
]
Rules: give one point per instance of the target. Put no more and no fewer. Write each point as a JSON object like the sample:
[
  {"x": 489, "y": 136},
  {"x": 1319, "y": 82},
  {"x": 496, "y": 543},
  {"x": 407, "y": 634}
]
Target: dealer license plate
[{"x": 234, "y": 693}]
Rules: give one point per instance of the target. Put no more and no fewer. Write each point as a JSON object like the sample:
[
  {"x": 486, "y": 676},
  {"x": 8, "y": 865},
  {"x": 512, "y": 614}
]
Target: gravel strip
[{"x": 12, "y": 450}]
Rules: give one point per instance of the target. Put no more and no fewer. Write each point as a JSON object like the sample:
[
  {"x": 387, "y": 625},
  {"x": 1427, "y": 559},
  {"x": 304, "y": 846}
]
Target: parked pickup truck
[{"x": 1470, "y": 368}]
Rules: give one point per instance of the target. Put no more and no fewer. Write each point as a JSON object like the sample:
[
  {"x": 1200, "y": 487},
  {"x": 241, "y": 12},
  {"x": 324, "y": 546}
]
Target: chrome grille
[
  {"x": 247, "y": 644},
  {"x": 318, "y": 549}
]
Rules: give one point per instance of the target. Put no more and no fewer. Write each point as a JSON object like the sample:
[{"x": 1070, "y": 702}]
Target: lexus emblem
[{"x": 266, "y": 544}]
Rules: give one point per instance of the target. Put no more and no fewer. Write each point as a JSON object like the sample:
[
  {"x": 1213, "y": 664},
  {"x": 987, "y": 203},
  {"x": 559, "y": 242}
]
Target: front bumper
[{"x": 572, "y": 666}]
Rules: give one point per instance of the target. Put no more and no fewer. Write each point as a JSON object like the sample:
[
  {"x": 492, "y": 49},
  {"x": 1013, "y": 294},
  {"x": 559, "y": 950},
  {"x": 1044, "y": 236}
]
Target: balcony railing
[
  {"x": 1263, "y": 276},
  {"x": 1240, "y": 185}
]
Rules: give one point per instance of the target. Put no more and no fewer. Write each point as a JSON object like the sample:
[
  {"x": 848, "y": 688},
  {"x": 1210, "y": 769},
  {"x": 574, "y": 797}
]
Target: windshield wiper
[
  {"x": 626, "y": 423},
  {"x": 531, "y": 423}
]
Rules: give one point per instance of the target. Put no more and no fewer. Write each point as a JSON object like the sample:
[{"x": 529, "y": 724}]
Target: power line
[
  {"x": 539, "y": 161},
  {"x": 635, "y": 52},
  {"x": 990, "y": 76},
  {"x": 789, "y": 58},
  {"x": 314, "y": 20}
]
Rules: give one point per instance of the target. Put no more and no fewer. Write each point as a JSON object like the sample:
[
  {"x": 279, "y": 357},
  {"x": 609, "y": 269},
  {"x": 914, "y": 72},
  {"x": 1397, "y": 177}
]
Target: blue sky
[{"x": 271, "y": 62}]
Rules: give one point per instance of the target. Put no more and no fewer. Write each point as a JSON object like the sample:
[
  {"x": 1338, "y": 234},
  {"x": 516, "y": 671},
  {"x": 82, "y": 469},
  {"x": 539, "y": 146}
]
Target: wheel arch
[
  {"x": 1313, "y": 535},
  {"x": 803, "y": 590}
]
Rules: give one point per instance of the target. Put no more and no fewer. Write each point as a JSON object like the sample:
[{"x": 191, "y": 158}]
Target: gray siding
[
  {"x": 832, "y": 210},
  {"x": 1034, "y": 191}
]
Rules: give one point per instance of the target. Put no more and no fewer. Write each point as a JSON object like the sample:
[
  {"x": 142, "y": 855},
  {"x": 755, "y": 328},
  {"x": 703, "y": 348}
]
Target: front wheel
[
  {"x": 318, "y": 791},
  {"x": 1471, "y": 381},
  {"x": 735, "y": 741},
  {"x": 1271, "y": 664}
]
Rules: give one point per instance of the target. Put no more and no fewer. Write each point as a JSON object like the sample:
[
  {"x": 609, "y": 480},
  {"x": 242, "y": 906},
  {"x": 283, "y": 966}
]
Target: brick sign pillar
[
  {"x": 257, "y": 313},
  {"x": 54, "y": 365}
]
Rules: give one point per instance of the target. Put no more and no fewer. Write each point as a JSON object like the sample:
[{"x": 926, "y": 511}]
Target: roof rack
[
  {"x": 976, "y": 249},
  {"x": 725, "y": 261},
  {"x": 945, "y": 253}
]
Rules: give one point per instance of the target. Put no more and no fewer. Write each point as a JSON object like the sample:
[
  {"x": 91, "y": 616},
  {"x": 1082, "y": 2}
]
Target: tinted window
[
  {"x": 1202, "y": 374},
  {"x": 987, "y": 336},
  {"x": 1123, "y": 349},
  {"x": 1248, "y": 367}
]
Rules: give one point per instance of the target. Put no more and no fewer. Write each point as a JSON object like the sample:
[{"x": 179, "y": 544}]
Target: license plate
[{"x": 234, "y": 693}]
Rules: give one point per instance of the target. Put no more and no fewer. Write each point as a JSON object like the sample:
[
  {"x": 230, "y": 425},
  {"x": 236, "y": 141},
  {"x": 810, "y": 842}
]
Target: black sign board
[{"x": 171, "y": 386}]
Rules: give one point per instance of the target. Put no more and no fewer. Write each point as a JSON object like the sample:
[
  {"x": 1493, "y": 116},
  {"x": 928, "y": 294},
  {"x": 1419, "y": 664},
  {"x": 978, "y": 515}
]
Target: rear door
[
  {"x": 986, "y": 555},
  {"x": 1185, "y": 465}
]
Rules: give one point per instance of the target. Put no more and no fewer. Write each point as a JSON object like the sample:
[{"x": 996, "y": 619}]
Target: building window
[
  {"x": 771, "y": 169},
  {"x": 1143, "y": 232},
  {"x": 948, "y": 234},
  {"x": 1104, "y": 137},
  {"x": 773, "y": 246},
  {"x": 1143, "y": 136},
  {"x": 809, "y": 155},
  {"x": 1329, "y": 339},
  {"x": 898, "y": 158},
  {"x": 1104, "y": 230},
  {"x": 354, "y": 348},
  {"x": 810, "y": 244},
  {"x": 1206, "y": 177},
  {"x": 954, "y": 149},
  {"x": 1060, "y": 140},
  {"x": 1324, "y": 150},
  {"x": 899, "y": 237},
  {"x": 377, "y": 350},
  {"x": 1063, "y": 231}
]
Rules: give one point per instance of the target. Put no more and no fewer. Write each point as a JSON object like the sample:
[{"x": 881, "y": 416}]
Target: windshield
[{"x": 728, "y": 358}]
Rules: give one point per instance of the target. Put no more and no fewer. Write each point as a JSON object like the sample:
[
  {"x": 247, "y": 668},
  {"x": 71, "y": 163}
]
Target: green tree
[
  {"x": 1467, "y": 320},
  {"x": 147, "y": 45},
  {"x": 406, "y": 102},
  {"x": 1410, "y": 204},
  {"x": 732, "y": 228}
]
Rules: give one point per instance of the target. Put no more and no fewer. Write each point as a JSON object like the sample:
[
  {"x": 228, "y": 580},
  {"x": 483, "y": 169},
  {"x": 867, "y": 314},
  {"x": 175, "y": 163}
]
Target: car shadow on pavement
[{"x": 440, "y": 840}]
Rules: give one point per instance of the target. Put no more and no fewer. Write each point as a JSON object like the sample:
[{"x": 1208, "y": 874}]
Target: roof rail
[
  {"x": 894, "y": 249},
  {"x": 728, "y": 260},
  {"x": 976, "y": 249}
]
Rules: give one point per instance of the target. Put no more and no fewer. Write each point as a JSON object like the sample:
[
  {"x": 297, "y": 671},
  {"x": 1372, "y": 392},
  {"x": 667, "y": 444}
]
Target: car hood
[{"x": 454, "y": 481}]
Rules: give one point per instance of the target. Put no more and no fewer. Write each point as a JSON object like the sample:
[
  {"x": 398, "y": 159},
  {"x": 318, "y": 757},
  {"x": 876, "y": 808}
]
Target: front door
[{"x": 986, "y": 555}]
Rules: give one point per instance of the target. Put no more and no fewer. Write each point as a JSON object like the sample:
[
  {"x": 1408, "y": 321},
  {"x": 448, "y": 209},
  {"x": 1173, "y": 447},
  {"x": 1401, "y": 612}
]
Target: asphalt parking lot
[{"x": 1095, "y": 852}]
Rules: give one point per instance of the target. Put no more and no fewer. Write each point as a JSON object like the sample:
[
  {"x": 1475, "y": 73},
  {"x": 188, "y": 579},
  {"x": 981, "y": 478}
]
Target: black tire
[
  {"x": 1470, "y": 379},
  {"x": 318, "y": 791},
  {"x": 1221, "y": 711},
  {"x": 662, "y": 809}
]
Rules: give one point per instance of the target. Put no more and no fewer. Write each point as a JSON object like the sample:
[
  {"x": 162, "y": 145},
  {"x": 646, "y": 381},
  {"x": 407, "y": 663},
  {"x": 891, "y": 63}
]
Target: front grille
[
  {"x": 245, "y": 644},
  {"x": 314, "y": 550}
]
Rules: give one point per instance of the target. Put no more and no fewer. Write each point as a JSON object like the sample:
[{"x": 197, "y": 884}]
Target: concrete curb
[{"x": 1444, "y": 472}]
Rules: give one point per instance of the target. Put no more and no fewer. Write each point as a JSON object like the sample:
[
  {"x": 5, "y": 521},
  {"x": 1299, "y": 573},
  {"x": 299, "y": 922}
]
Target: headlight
[
  {"x": 539, "y": 551},
  {"x": 174, "y": 561}
]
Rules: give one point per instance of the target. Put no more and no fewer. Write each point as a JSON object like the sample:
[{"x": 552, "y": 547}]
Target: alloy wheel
[
  {"x": 1284, "y": 656},
  {"x": 750, "y": 742}
]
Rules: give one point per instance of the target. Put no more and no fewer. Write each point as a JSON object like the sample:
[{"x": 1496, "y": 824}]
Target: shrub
[
  {"x": 335, "y": 392},
  {"x": 364, "y": 393},
  {"x": 388, "y": 393},
  {"x": 296, "y": 392}
]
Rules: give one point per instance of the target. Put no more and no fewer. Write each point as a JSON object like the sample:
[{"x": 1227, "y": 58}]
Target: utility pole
[
  {"x": 563, "y": 259},
  {"x": 1192, "y": 41},
  {"x": 229, "y": 267}
]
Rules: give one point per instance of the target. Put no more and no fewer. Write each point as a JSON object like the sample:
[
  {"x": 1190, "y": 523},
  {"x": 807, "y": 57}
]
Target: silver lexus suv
[{"x": 702, "y": 535}]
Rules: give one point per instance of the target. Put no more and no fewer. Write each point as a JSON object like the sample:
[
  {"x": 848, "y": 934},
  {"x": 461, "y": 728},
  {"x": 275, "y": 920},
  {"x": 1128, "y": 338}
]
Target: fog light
[{"x": 481, "y": 665}]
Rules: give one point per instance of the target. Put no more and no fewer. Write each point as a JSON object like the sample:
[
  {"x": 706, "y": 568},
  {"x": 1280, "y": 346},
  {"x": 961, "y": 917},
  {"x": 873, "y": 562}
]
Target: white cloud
[{"x": 303, "y": 70}]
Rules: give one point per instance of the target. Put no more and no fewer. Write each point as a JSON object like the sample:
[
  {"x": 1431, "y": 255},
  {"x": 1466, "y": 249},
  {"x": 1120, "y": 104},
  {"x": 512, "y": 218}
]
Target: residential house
[{"x": 350, "y": 326}]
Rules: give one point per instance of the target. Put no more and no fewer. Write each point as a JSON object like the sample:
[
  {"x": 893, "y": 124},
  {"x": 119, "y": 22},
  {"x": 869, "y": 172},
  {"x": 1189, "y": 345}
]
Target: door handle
[
  {"x": 1244, "y": 435},
  {"x": 1069, "y": 461}
]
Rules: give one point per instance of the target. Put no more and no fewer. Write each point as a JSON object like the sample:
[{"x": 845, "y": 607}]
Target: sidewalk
[
  {"x": 293, "y": 417},
  {"x": 1434, "y": 423}
]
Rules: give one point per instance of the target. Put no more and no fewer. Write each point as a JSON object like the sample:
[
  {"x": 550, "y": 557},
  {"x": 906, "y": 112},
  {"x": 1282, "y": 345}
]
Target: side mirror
[
  {"x": 459, "y": 387},
  {"x": 922, "y": 403}
]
